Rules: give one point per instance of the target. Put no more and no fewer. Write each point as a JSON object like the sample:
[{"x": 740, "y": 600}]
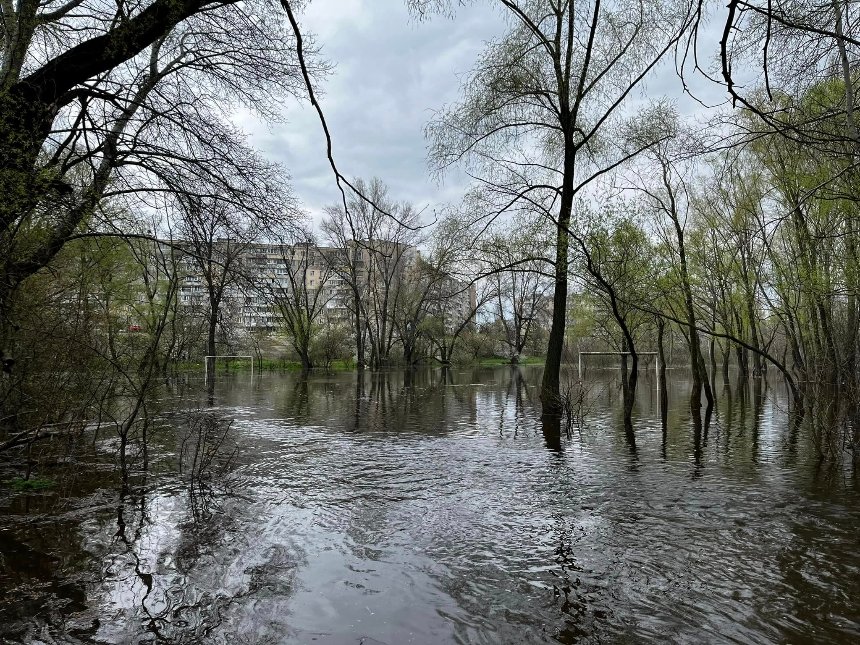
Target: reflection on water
[{"x": 438, "y": 506}]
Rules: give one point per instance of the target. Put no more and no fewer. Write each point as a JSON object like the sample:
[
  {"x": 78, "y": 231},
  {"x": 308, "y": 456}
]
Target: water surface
[{"x": 435, "y": 507}]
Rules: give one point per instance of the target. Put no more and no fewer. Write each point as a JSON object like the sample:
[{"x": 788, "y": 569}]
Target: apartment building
[{"x": 264, "y": 272}]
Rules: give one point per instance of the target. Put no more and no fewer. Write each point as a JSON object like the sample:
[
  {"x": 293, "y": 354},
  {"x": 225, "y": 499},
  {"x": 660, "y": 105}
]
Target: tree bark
[{"x": 550, "y": 395}]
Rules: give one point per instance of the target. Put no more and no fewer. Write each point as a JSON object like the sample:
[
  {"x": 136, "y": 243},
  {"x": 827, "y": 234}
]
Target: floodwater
[{"x": 434, "y": 507}]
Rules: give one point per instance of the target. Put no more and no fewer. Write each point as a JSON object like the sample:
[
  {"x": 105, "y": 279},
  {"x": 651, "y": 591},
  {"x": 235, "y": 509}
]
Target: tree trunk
[
  {"x": 550, "y": 395},
  {"x": 661, "y": 373},
  {"x": 305, "y": 358},
  {"x": 210, "y": 343},
  {"x": 696, "y": 360},
  {"x": 359, "y": 339},
  {"x": 712, "y": 354}
]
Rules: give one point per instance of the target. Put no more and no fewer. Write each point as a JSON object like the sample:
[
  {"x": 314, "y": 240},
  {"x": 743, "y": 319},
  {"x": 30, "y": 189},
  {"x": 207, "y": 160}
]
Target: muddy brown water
[{"x": 435, "y": 507}]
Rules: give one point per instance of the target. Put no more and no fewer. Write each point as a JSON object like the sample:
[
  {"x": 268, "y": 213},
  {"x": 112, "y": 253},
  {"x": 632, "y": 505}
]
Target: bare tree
[
  {"x": 216, "y": 238},
  {"x": 125, "y": 103},
  {"x": 302, "y": 293},
  {"x": 667, "y": 192},
  {"x": 454, "y": 313},
  {"x": 438, "y": 300},
  {"x": 773, "y": 52},
  {"x": 375, "y": 240},
  {"x": 538, "y": 113},
  {"x": 521, "y": 282}
]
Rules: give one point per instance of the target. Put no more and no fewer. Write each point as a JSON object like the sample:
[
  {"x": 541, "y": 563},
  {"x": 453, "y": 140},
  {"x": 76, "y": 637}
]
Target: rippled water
[{"x": 433, "y": 508}]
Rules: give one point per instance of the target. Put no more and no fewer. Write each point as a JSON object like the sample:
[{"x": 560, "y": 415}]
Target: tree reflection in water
[{"x": 440, "y": 503}]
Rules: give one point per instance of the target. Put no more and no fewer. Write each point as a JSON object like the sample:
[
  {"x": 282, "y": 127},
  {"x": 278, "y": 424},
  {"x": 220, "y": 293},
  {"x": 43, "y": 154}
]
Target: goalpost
[
  {"x": 656, "y": 361},
  {"x": 214, "y": 356}
]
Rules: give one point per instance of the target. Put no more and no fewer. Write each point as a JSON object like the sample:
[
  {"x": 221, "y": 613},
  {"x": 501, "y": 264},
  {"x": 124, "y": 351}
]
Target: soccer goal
[
  {"x": 207, "y": 359},
  {"x": 656, "y": 361}
]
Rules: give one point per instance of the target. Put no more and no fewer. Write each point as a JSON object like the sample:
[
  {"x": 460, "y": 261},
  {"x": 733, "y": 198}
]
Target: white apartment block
[{"x": 264, "y": 272}]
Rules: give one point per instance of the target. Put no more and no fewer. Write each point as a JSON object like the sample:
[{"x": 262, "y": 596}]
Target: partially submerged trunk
[
  {"x": 212, "y": 327},
  {"x": 661, "y": 372}
]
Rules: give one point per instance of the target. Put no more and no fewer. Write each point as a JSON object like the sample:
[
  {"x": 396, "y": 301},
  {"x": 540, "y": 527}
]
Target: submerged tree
[
  {"x": 452, "y": 288},
  {"x": 215, "y": 241},
  {"x": 97, "y": 332},
  {"x": 374, "y": 240},
  {"x": 615, "y": 261},
  {"x": 668, "y": 194},
  {"x": 301, "y": 293},
  {"x": 125, "y": 103},
  {"x": 539, "y": 112},
  {"x": 522, "y": 282}
]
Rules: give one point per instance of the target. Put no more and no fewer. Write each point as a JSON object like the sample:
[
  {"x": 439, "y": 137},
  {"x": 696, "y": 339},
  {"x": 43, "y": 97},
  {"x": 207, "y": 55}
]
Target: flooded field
[{"x": 435, "y": 507}]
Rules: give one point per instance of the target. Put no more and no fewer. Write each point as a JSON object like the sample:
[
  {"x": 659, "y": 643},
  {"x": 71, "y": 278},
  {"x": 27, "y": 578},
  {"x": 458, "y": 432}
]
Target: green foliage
[
  {"x": 331, "y": 344},
  {"x": 22, "y": 484},
  {"x": 617, "y": 262}
]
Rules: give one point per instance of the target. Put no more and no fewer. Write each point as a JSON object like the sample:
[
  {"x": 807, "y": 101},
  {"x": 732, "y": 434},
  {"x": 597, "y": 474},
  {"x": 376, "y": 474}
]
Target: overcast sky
[{"x": 391, "y": 71}]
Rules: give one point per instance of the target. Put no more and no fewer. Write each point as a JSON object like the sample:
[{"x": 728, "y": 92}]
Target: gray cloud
[{"x": 391, "y": 72}]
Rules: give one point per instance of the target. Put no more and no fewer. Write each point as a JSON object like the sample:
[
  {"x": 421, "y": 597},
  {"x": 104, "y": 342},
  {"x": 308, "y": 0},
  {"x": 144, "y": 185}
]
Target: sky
[{"x": 391, "y": 72}]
